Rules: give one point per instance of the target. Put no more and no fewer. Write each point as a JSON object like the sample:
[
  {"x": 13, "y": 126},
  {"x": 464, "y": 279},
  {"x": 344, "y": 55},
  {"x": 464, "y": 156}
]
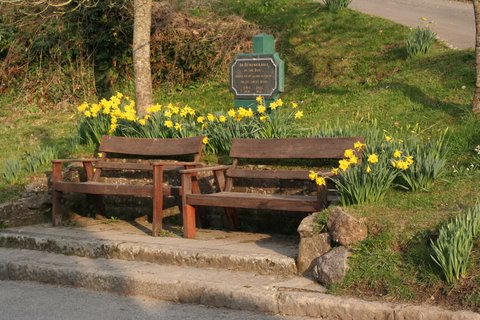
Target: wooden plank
[
  {"x": 104, "y": 188},
  {"x": 157, "y": 199},
  {"x": 254, "y": 201},
  {"x": 151, "y": 147},
  {"x": 269, "y": 174},
  {"x": 292, "y": 148}
]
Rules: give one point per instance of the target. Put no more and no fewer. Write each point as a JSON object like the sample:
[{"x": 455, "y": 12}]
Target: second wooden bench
[{"x": 249, "y": 150}]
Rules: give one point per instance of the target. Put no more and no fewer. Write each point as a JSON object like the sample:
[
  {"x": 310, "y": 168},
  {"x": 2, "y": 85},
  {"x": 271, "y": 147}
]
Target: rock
[
  {"x": 311, "y": 245},
  {"x": 305, "y": 229},
  {"x": 38, "y": 184},
  {"x": 31, "y": 210},
  {"x": 345, "y": 229},
  {"x": 332, "y": 267},
  {"x": 309, "y": 249}
]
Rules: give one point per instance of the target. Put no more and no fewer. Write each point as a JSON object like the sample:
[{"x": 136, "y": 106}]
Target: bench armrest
[
  {"x": 201, "y": 169},
  {"x": 326, "y": 174}
]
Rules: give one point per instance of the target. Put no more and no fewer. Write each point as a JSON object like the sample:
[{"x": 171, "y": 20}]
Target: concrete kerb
[
  {"x": 235, "y": 294},
  {"x": 155, "y": 253}
]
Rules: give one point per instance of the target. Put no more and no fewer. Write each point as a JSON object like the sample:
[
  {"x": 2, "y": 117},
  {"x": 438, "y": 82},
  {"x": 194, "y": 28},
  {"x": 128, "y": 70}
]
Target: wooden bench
[
  {"x": 122, "y": 155},
  {"x": 278, "y": 150}
]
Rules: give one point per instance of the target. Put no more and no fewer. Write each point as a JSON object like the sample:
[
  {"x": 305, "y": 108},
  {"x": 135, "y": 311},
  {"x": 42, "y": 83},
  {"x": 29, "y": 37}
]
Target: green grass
[{"x": 345, "y": 67}]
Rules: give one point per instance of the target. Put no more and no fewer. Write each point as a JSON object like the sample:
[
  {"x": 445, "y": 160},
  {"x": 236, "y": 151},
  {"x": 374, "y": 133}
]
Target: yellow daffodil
[
  {"x": 353, "y": 159},
  {"x": 211, "y": 117},
  {"x": 205, "y": 140},
  {"x": 409, "y": 160},
  {"x": 87, "y": 114},
  {"x": 369, "y": 169},
  {"x": 231, "y": 113},
  {"x": 142, "y": 122},
  {"x": 82, "y": 107},
  {"x": 273, "y": 105},
  {"x": 99, "y": 154},
  {"x": 154, "y": 108},
  {"x": 334, "y": 171},
  {"x": 312, "y": 175},
  {"x": 358, "y": 145},
  {"x": 397, "y": 153},
  {"x": 320, "y": 181},
  {"x": 294, "y": 105},
  {"x": 168, "y": 123},
  {"x": 261, "y": 109},
  {"x": 178, "y": 126},
  {"x": 343, "y": 164},
  {"x": 349, "y": 153},
  {"x": 388, "y": 138},
  {"x": 200, "y": 119},
  {"x": 298, "y": 114},
  {"x": 168, "y": 114},
  {"x": 279, "y": 102},
  {"x": 263, "y": 118},
  {"x": 373, "y": 158},
  {"x": 259, "y": 99},
  {"x": 222, "y": 118}
]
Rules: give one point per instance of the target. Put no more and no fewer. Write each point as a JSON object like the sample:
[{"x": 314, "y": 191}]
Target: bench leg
[
  {"x": 56, "y": 208},
  {"x": 189, "y": 221},
  {"x": 232, "y": 218},
  {"x": 157, "y": 200}
]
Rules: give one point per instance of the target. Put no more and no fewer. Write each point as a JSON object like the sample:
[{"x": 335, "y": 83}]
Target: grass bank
[{"x": 342, "y": 68}]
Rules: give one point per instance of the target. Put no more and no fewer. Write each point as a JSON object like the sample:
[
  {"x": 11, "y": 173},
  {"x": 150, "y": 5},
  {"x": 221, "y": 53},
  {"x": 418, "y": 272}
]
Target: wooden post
[
  {"x": 56, "y": 195},
  {"x": 157, "y": 199},
  {"x": 188, "y": 210}
]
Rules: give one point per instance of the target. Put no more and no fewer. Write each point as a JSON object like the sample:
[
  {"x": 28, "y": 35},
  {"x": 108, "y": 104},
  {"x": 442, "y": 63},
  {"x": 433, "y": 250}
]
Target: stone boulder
[
  {"x": 345, "y": 229},
  {"x": 312, "y": 245},
  {"x": 332, "y": 267}
]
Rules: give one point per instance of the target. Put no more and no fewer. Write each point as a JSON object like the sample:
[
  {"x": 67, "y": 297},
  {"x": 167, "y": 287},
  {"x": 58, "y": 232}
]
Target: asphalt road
[
  {"x": 35, "y": 301},
  {"x": 453, "y": 21}
]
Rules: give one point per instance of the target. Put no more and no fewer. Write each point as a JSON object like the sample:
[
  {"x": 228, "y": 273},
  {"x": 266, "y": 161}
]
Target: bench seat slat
[
  {"x": 301, "y": 203},
  {"x": 142, "y": 166},
  {"x": 269, "y": 174},
  {"x": 112, "y": 189}
]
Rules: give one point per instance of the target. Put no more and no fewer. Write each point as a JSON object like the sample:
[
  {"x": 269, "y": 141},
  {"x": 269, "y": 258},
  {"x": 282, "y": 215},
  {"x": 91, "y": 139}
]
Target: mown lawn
[{"x": 342, "y": 68}]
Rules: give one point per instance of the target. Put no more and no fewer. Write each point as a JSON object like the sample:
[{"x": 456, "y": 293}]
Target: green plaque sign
[
  {"x": 261, "y": 73},
  {"x": 254, "y": 75}
]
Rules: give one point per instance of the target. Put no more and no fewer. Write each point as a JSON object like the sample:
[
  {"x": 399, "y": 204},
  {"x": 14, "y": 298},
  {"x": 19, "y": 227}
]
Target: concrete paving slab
[
  {"x": 259, "y": 253},
  {"x": 211, "y": 287}
]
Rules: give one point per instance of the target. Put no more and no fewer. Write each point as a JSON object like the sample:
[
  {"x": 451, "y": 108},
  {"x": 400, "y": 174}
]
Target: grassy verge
[{"x": 343, "y": 68}]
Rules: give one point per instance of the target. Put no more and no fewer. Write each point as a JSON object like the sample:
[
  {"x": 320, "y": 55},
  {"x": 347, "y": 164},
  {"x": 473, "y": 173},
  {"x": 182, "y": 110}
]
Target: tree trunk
[
  {"x": 476, "y": 96},
  {"x": 141, "y": 54}
]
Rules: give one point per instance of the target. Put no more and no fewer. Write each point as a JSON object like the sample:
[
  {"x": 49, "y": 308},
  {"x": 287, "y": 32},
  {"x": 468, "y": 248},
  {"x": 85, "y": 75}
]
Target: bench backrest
[
  {"x": 288, "y": 148},
  {"x": 292, "y": 148},
  {"x": 152, "y": 148}
]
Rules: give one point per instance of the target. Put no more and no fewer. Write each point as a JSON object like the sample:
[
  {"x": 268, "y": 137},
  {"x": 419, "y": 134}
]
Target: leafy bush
[
  {"x": 12, "y": 171},
  {"x": 419, "y": 41},
  {"x": 454, "y": 244},
  {"x": 336, "y": 5}
]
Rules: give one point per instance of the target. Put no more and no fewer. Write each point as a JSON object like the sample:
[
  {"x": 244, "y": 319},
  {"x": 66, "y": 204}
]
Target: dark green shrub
[
  {"x": 336, "y": 5},
  {"x": 419, "y": 41}
]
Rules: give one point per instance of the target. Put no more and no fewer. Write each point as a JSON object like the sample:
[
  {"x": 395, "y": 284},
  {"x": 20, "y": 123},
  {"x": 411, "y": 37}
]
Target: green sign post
[{"x": 261, "y": 73}]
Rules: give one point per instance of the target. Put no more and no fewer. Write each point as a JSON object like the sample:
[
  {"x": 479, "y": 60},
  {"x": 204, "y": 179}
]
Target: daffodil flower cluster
[
  {"x": 319, "y": 180},
  {"x": 119, "y": 116}
]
